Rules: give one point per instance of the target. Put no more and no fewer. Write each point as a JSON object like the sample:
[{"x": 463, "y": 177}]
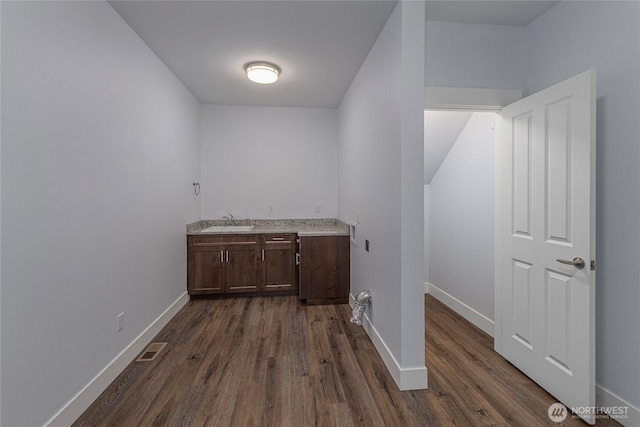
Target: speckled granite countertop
[{"x": 304, "y": 227}]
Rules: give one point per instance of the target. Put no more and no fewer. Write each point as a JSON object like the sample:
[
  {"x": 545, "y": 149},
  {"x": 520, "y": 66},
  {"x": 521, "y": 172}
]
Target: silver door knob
[{"x": 577, "y": 262}]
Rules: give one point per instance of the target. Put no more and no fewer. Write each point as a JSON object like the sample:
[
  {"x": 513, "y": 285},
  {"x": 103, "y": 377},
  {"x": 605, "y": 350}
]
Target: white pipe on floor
[{"x": 362, "y": 300}]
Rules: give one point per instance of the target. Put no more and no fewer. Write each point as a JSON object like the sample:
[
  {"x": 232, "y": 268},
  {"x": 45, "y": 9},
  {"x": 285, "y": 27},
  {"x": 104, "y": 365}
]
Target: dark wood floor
[{"x": 274, "y": 362}]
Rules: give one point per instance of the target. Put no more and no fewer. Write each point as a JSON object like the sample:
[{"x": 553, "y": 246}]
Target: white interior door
[{"x": 545, "y": 308}]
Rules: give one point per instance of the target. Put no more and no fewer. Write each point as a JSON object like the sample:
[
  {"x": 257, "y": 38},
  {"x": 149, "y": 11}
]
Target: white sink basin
[{"x": 227, "y": 228}]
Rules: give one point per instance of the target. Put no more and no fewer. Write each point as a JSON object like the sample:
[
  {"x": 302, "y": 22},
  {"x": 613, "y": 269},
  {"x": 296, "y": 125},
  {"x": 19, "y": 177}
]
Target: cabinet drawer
[
  {"x": 243, "y": 239},
  {"x": 204, "y": 240},
  {"x": 271, "y": 239}
]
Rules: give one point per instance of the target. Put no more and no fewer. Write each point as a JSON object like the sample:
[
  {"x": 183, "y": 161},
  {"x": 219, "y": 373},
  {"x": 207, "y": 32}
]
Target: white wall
[
  {"x": 573, "y": 37},
  {"x": 462, "y": 216},
  {"x": 381, "y": 185},
  {"x": 253, "y": 157},
  {"x": 477, "y": 56},
  {"x": 99, "y": 148}
]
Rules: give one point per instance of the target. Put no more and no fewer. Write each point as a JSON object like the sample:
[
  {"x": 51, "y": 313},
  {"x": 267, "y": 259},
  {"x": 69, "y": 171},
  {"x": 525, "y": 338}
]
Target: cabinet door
[
  {"x": 338, "y": 269},
  {"x": 312, "y": 268},
  {"x": 242, "y": 267},
  {"x": 205, "y": 270},
  {"x": 278, "y": 266},
  {"x": 324, "y": 269}
]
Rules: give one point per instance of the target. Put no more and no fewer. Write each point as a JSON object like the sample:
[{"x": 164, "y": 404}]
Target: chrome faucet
[{"x": 230, "y": 218}]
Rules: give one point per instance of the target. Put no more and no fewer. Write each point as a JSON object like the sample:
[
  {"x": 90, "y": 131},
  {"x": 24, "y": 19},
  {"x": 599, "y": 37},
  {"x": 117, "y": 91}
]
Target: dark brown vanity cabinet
[
  {"x": 241, "y": 263},
  {"x": 223, "y": 264},
  {"x": 267, "y": 263},
  {"x": 324, "y": 269}
]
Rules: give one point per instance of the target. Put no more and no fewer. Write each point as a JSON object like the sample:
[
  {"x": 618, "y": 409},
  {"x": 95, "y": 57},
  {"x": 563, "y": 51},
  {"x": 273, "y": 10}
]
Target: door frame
[
  {"x": 497, "y": 250},
  {"x": 438, "y": 100},
  {"x": 476, "y": 100},
  {"x": 480, "y": 100}
]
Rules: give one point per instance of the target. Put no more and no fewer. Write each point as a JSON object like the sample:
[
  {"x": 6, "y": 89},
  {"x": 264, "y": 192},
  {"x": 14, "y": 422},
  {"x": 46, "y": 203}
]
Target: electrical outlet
[
  {"x": 270, "y": 209},
  {"x": 120, "y": 321},
  {"x": 318, "y": 207}
]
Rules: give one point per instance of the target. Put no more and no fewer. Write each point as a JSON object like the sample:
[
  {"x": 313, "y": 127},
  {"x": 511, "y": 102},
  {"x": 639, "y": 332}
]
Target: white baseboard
[
  {"x": 85, "y": 397},
  {"x": 414, "y": 378},
  {"x": 473, "y": 316},
  {"x": 623, "y": 412}
]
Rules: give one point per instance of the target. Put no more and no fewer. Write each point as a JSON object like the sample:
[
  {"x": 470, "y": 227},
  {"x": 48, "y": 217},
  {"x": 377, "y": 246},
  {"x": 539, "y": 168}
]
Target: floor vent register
[{"x": 151, "y": 352}]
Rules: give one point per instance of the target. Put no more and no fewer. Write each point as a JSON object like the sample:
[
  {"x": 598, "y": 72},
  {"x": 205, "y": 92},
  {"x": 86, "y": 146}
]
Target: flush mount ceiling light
[{"x": 262, "y": 72}]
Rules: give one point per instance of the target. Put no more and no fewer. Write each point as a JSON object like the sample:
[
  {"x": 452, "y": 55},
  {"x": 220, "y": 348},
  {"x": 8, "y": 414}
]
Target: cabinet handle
[
  {"x": 227, "y": 256},
  {"x": 278, "y": 238},
  {"x": 221, "y": 256},
  {"x": 263, "y": 254},
  {"x": 297, "y": 259}
]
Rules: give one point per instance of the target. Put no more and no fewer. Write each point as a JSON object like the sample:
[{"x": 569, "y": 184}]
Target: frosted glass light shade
[{"x": 262, "y": 72}]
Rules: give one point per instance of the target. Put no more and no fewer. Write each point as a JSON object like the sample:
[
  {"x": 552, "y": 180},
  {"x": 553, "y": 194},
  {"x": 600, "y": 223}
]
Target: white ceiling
[{"x": 319, "y": 45}]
